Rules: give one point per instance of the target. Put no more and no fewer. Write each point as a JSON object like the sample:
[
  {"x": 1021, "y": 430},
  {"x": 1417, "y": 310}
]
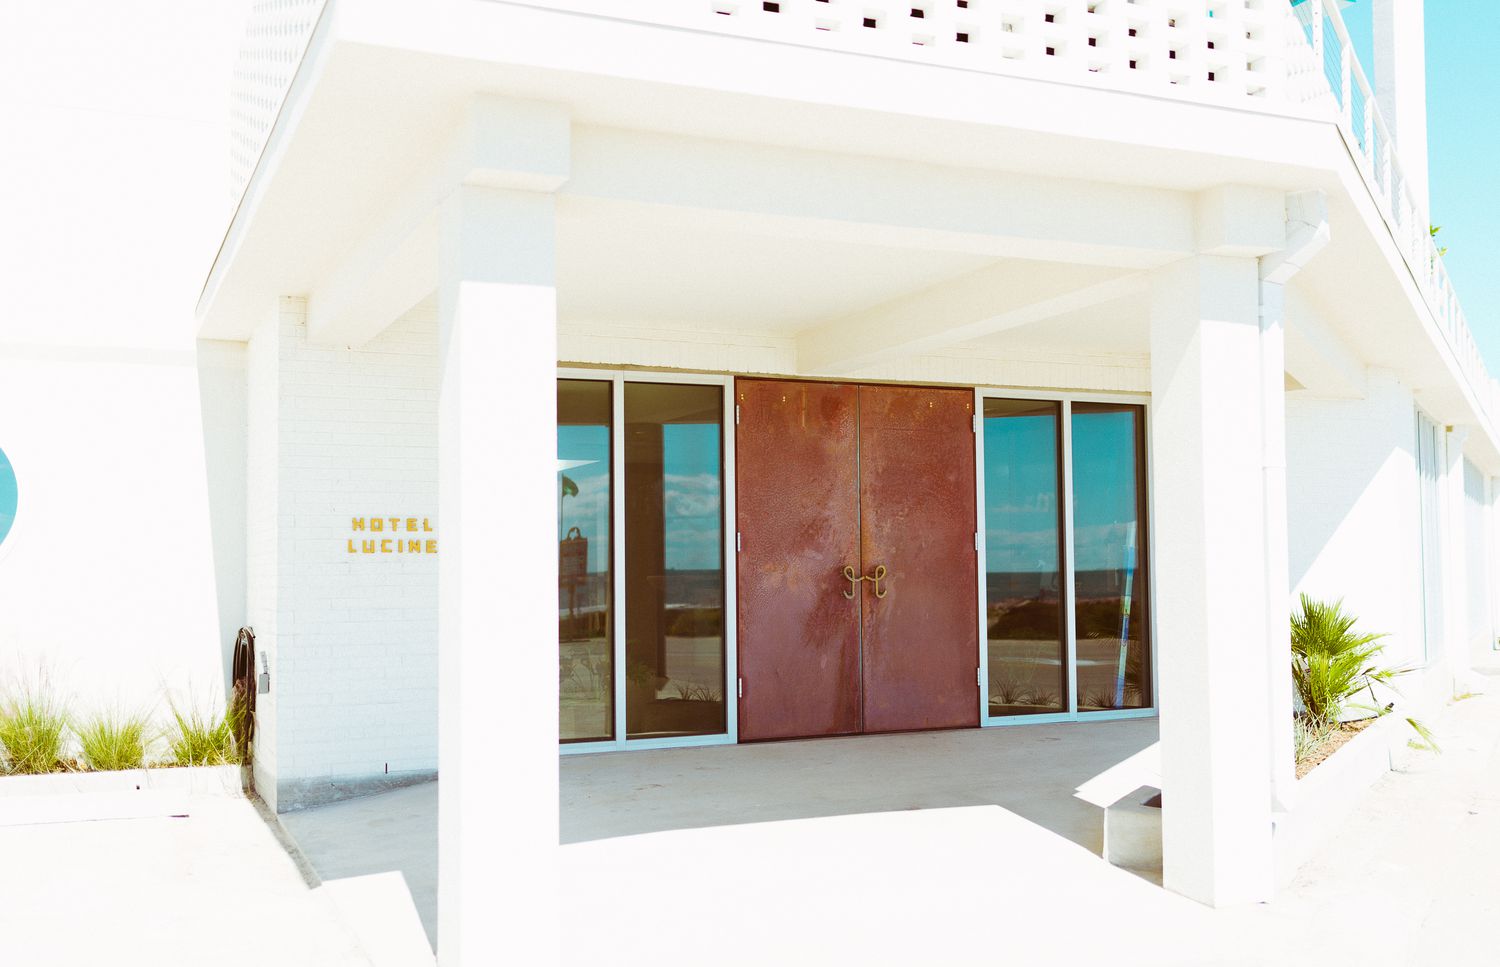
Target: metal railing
[{"x": 1349, "y": 94}]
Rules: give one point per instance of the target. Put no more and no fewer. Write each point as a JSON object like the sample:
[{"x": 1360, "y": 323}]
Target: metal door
[
  {"x": 920, "y": 640},
  {"x": 856, "y": 562},
  {"x": 798, "y": 509}
]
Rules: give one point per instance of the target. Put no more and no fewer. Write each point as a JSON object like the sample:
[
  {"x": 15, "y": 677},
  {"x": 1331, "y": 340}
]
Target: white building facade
[{"x": 578, "y": 378}]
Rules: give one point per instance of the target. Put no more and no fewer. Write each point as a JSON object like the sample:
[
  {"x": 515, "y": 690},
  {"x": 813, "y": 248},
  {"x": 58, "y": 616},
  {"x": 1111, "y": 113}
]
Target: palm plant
[{"x": 1332, "y": 662}]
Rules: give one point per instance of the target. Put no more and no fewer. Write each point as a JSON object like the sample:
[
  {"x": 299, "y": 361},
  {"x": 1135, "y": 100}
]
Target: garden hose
[{"x": 242, "y": 695}]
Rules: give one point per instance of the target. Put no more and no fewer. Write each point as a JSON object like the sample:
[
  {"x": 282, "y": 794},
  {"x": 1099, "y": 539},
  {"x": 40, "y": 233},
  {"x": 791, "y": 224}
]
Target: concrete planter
[
  {"x": 1327, "y": 795},
  {"x": 1325, "y": 798},
  {"x": 1132, "y": 831},
  {"x": 130, "y": 794}
]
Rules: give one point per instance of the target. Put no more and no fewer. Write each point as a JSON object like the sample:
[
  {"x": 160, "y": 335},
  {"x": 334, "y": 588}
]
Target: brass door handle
[{"x": 876, "y": 576}]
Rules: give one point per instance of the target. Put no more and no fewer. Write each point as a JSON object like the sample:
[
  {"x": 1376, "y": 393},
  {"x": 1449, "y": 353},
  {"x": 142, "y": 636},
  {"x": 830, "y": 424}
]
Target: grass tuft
[
  {"x": 112, "y": 741},
  {"x": 1308, "y": 738},
  {"x": 203, "y": 739},
  {"x": 32, "y": 726},
  {"x": 1425, "y": 739}
]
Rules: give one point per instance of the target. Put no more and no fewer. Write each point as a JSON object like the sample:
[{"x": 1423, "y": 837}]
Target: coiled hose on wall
[{"x": 243, "y": 696}]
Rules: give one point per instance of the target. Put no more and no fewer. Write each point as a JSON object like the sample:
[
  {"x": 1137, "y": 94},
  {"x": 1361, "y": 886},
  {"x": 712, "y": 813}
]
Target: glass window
[
  {"x": 674, "y": 560},
  {"x": 1025, "y": 633},
  {"x": 584, "y": 588},
  {"x": 1109, "y": 555}
]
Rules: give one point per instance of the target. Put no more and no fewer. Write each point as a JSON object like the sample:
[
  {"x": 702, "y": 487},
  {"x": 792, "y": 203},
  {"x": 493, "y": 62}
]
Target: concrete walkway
[
  {"x": 212, "y": 887},
  {"x": 879, "y": 851}
]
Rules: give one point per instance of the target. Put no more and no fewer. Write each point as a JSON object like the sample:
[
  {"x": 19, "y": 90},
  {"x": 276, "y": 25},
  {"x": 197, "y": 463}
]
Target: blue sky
[{"x": 1463, "y": 86}]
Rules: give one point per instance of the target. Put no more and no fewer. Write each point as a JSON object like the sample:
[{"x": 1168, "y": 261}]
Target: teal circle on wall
[{"x": 8, "y": 496}]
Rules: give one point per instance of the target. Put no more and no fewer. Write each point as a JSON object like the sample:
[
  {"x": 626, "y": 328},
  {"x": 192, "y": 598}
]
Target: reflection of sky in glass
[
  {"x": 8, "y": 496},
  {"x": 1104, "y": 498},
  {"x": 589, "y": 510},
  {"x": 1020, "y": 494},
  {"x": 690, "y": 465}
]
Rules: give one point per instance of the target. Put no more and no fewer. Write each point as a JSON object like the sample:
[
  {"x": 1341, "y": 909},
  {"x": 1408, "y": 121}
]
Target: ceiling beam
[
  {"x": 776, "y": 191},
  {"x": 499, "y": 143},
  {"x": 993, "y": 299}
]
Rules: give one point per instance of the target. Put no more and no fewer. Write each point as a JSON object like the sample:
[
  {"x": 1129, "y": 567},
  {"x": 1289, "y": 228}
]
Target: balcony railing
[
  {"x": 1347, "y": 93},
  {"x": 1280, "y": 56}
]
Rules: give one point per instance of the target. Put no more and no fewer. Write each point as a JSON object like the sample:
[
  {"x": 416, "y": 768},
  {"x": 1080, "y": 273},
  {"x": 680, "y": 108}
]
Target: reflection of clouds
[
  {"x": 693, "y": 546},
  {"x": 1103, "y": 547},
  {"x": 1041, "y": 503},
  {"x": 695, "y": 495},
  {"x": 1012, "y": 550}
]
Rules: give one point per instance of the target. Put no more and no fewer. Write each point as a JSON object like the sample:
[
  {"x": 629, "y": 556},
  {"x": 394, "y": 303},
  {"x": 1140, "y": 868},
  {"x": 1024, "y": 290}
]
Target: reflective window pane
[
  {"x": 674, "y": 560},
  {"x": 1109, "y": 540},
  {"x": 1025, "y": 631},
  {"x": 584, "y": 559}
]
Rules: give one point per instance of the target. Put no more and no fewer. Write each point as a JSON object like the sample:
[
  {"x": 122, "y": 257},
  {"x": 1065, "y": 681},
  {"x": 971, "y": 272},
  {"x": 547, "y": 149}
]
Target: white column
[
  {"x": 1277, "y": 554},
  {"x": 497, "y": 620},
  {"x": 1455, "y": 555},
  {"x": 1401, "y": 85},
  {"x": 1211, "y": 580}
]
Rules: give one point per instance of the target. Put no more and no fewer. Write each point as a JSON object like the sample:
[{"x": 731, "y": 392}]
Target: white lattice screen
[{"x": 276, "y": 35}]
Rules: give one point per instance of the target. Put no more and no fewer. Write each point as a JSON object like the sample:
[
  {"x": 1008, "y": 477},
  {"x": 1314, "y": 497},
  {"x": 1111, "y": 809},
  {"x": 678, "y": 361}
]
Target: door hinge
[
  {"x": 742, "y": 688},
  {"x": 738, "y": 546},
  {"x": 978, "y": 679},
  {"x": 976, "y": 540},
  {"x": 976, "y": 422},
  {"x": 736, "y": 414}
]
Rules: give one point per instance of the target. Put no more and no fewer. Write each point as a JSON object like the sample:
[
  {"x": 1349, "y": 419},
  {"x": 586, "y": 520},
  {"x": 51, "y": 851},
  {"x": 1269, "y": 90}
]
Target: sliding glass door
[
  {"x": 674, "y": 560},
  {"x": 1065, "y": 596},
  {"x": 644, "y": 618},
  {"x": 1109, "y": 541},
  {"x": 585, "y": 589},
  {"x": 1025, "y": 633}
]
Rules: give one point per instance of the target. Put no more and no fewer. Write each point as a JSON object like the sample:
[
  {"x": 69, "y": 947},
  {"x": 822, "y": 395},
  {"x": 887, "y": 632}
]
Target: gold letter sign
[{"x": 427, "y": 544}]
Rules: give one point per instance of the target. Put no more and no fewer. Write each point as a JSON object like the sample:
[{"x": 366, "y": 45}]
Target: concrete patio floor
[
  {"x": 945, "y": 847},
  {"x": 208, "y": 885}
]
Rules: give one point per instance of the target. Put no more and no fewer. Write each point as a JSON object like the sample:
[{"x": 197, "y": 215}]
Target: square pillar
[
  {"x": 1399, "y": 39},
  {"x": 497, "y": 576},
  {"x": 1455, "y": 556},
  {"x": 1212, "y": 632},
  {"x": 1278, "y": 602}
]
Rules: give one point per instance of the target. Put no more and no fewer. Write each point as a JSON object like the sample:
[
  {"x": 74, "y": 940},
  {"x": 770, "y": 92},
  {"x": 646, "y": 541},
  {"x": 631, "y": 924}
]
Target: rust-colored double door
[{"x": 856, "y": 563}]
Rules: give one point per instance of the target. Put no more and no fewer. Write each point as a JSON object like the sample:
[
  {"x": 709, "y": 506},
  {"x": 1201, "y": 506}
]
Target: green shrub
[
  {"x": 113, "y": 741},
  {"x": 1332, "y": 663},
  {"x": 203, "y": 739},
  {"x": 33, "y": 724}
]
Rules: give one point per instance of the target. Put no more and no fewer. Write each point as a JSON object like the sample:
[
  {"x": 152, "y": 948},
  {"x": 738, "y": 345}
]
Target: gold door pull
[{"x": 876, "y": 576}]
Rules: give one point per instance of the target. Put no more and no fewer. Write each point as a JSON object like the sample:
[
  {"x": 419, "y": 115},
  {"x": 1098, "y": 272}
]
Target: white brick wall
[
  {"x": 338, "y": 434},
  {"x": 1353, "y": 509}
]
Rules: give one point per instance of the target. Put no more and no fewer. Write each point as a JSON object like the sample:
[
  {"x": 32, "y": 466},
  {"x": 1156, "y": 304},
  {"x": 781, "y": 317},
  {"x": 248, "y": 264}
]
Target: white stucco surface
[{"x": 123, "y": 576}]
